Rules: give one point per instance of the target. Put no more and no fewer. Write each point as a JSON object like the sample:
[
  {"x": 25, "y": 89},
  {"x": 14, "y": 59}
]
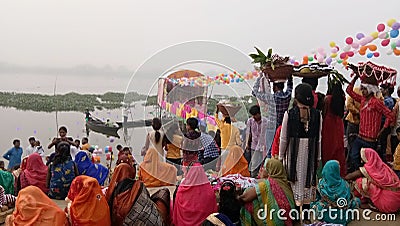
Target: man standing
[
  {"x": 255, "y": 137},
  {"x": 371, "y": 111},
  {"x": 14, "y": 155},
  {"x": 387, "y": 91},
  {"x": 353, "y": 121},
  {"x": 31, "y": 148}
]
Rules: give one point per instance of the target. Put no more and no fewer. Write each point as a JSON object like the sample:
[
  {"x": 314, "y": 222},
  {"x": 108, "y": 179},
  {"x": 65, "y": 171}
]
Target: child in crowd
[
  {"x": 2, "y": 166},
  {"x": 6, "y": 200}
]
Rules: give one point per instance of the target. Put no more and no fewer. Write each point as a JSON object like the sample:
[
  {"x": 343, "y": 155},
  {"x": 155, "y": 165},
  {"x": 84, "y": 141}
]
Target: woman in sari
[
  {"x": 162, "y": 199},
  {"x": 155, "y": 173},
  {"x": 274, "y": 192},
  {"x": 33, "y": 207},
  {"x": 86, "y": 167},
  {"x": 7, "y": 181},
  {"x": 195, "y": 199},
  {"x": 35, "y": 173},
  {"x": 331, "y": 191},
  {"x": 377, "y": 182},
  {"x": 129, "y": 200},
  {"x": 61, "y": 172},
  {"x": 86, "y": 203},
  {"x": 235, "y": 162}
]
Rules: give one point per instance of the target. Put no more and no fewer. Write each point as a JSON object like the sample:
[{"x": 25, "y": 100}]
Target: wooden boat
[
  {"x": 99, "y": 126},
  {"x": 134, "y": 124}
]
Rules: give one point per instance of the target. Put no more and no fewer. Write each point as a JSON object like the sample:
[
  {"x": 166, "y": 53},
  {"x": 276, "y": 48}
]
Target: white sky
[{"x": 47, "y": 33}]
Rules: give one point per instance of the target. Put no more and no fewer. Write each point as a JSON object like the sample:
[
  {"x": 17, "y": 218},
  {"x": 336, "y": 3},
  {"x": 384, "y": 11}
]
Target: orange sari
[
  {"x": 235, "y": 163},
  {"x": 88, "y": 204},
  {"x": 33, "y": 207},
  {"x": 155, "y": 173}
]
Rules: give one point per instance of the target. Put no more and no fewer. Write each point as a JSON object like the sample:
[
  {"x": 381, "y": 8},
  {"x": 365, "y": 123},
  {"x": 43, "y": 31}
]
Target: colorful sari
[
  {"x": 86, "y": 167},
  {"x": 87, "y": 206},
  {"x": 332, "y": 190},
  {"x": 33, "y": 207},
  {"x": 7, "y": 181},
  {"x": 35, "y": 173},
  {"x": 380, "y": 183},
  {"x": 162, "y": 199},
  {"x": 235, "y": 163},
  {"x": 195, "y": 199},
  {"x": 275, "y": 193},
  {"x": 155, "y": 173},
  {"x": 62, "y": 176}
]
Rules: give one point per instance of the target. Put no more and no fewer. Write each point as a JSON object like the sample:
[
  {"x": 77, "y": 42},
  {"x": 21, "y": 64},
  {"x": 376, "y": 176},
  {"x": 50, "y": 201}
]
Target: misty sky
[{"x": 42, "y": 34}]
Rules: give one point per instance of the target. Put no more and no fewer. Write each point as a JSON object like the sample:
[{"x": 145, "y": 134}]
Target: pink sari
[
  {"x": 195, "y": 199},
  {"x": 35, "y": 173},
  {"x": 380, "y": 183}
]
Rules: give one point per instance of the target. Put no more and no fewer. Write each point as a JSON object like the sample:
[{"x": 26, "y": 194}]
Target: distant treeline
[{"x": 66, "y": 102}]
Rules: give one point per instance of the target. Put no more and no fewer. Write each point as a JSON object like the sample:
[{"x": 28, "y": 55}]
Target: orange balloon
[
  {"x": 305, "y": 59},
  {"x": 345, "y": 63},
  {"x": 396, "y": 52},
  {"x": 372, "y": 47},
  {"x": 362, "y": 53},
  {"x": 363, "y": 48}
]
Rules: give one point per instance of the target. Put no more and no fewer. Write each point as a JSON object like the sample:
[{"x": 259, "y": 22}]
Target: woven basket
[
  {"x": 279, "y": 73},
  {"x": 315, "y": 74}
]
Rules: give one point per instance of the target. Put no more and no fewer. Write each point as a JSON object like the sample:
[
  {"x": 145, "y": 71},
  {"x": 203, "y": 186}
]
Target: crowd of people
[{"x": 326, "y": 148}]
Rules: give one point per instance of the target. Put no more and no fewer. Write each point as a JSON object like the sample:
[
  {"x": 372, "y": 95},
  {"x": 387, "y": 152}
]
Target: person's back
[{"x": 235, "y": 137}]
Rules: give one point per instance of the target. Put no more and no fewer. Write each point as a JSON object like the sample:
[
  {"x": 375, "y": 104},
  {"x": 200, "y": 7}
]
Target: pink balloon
[
  {"x": 334, "y": 50},
  {"x": 366, "y": 40},
  {"x": 376, "y": 54},
  {"x": 355, "y": 45},
  {"x": 349, "y": 40},
  {"x": 350, "y": 54},
  {"x": 380, "y": 27},
  {"x": 382, "y": 35},
  {"x": 320, "y": 59},
  {"x": 385, "y": 42},
  {"x": 343, "y": 55}
]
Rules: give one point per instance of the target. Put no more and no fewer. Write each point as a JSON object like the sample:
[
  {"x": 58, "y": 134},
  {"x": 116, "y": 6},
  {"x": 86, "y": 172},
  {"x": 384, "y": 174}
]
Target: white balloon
[{"x": 347, "y": 48}]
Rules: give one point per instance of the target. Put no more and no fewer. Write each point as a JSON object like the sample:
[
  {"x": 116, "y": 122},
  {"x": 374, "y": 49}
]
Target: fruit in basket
[{"x": 305, "y": 70}]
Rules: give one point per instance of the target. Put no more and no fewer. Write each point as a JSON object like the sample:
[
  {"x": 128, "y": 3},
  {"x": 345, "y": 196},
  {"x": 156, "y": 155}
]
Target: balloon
[
  {"x": 355, "y": 45},
  {"x": 389, "y": 52},
  {"x": 334, "y": 55},
  {"x": 361, "y": 52},
  {"x": 343, "y": 55},
  {"x": 345, "y": 63},
  {"x": 310, "y": 58},
  {"x": 366, "y": 40},
  {"x": 350, "y": 54},
  {"x": 396, "y": 26},
  {"x": 332, "y": 44},
  {"x": 380, "y": 27},
  {"x": 296, "y": 63},
  {"x": 305, "y": 59},
  {"x": 370, "y": 55},
  {"x": 396, "y": 52},
  {"x": 360, "y": 36},
  {"x": 349, "y": 40},
  {"x": 340, "y": 61},
  {"x": 391, "y": 22},
  {"x": 393, "y": 45},
  {"x": 385, "y": 42},
  {"x": 398, "y": 43},
  {"x": 382, "y": 35},
  {"x": 328, "y": 60},
  {"x": 320, "y": 50},
  {"x": 374, "y": 35},
  {"x": 394, "y": 33},
  {"x": 334, "y": 50},
  {"x": 372, "y": 47},
  {"x": 347, "y": 48},
  {"x": 320, "y": 59},
  {"x": 376, "y": 54},
  {"x": 238, "y": 80}
]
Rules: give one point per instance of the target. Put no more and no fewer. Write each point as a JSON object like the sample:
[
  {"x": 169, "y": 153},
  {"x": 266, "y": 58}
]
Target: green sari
[
  {"x": 333, "y": 192},
  {"x": 7, "y": 182},
  {"x": 273, "y": 193}
]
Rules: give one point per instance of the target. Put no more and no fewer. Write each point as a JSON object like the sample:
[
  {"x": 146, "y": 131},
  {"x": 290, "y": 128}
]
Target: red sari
[
  {"x": 34, "y": 173},
  {"x": 332, "y": 138}
]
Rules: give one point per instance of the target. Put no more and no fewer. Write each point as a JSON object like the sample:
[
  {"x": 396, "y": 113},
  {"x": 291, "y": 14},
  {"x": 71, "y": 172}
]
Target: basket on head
[
  {"x": 314, "y": 70},
  {"x": 374, "y": 74},
  {"x": 281, "y": 70}
]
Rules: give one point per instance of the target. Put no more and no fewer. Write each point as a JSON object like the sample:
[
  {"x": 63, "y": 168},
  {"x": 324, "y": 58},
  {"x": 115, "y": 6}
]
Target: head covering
[
  {"x": 235, "y": 162},
  {"x": 372, "y": 89},
  {"x": 121, "y": 172},
  {"x": 275, "y": 170},
  {"x": 35, "y": 173},
  {"x": 89, "y": 206},
  {"x": 7, "y": 181},
  {"x": 123, "y": 158},
  {"x": 155, "y": 173},
  {"x": 195, "y": 199},
  {"x": 377, "y": 171},
  {"x": 34, "y": 206},
  {"x": 86, "y": 167},
  {"x": 303, "y": 94}
]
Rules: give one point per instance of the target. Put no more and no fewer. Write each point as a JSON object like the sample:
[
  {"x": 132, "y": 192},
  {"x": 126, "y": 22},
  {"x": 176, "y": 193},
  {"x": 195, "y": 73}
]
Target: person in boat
[
  {"x": 129, "y": 200},
  {"x": 235, "y": 162},
  {"x": 189, "y": 207},
  {"x": 87, "y": 114},
  {"x": 330, "y": 191},
  {"x": 33, "y": 207},
  {"x": 274, "y": 190},
  {"x": 87, "y": 167},
  {"x": 376, "y": 182},
  {"x": 109, "y": 123},
  {"x": 35, "y": 173},
  {"x": 61, "y": 172},
  {"x": 86, "y": 203},
  {"x": 155, "y": 139},
  {"x": 155, "y": 173}
]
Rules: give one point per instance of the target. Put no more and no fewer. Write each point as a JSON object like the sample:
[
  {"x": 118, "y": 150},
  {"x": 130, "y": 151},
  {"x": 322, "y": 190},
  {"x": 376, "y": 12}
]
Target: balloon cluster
[
  {"x": 218, "y": 79},
  {"x": 360, "y": 44}
]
